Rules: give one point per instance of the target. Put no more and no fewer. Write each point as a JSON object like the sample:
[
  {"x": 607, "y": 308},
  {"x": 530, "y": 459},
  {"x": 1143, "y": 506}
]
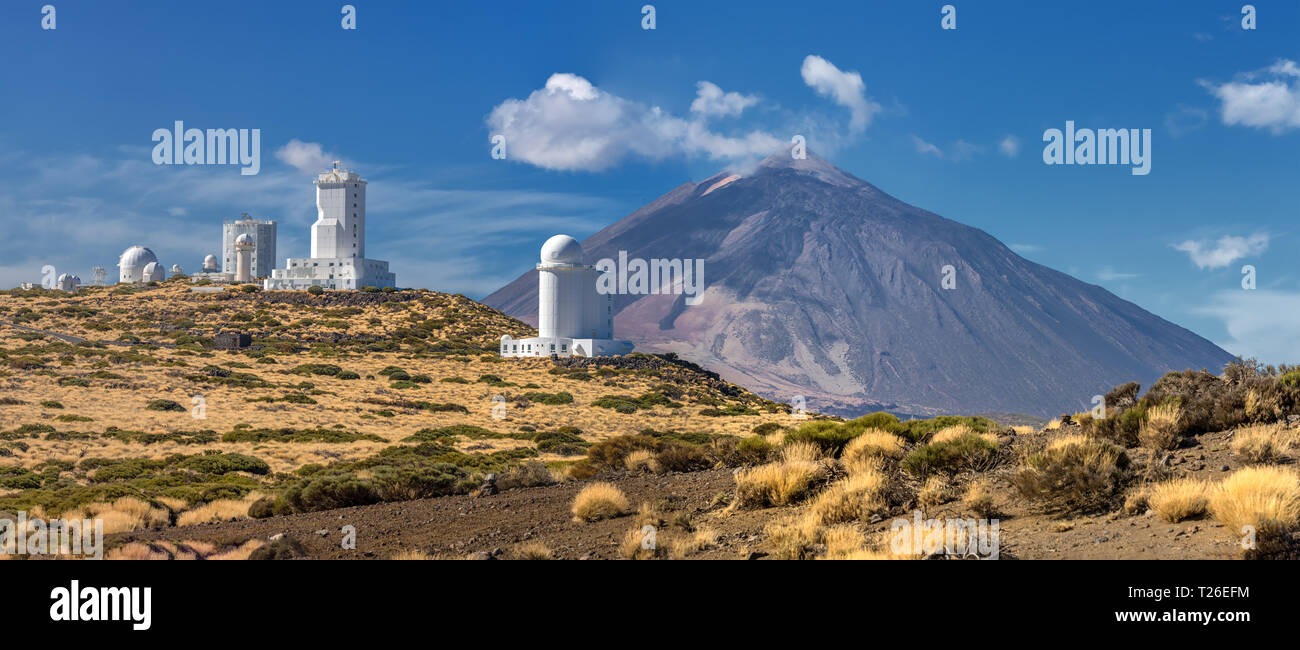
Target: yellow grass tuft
[
  {"x": 979, "y": 498},
  {"x": 531, "y": 551},
  {"x": 780, "y": 483},
  {"x": 1179, "y": 499},
  {"x": 1265, "y": 498},
  {"x": 410, "y": 554},
  {"x": 136, "y": 551},
  {"x": 934, "y": 492},
  {"x": 1162, "y": 429},
  {"x": 241, "y": 552},
  {"x": 599, "y": 501},
  {"x": 799, "y": 452},
  {"x": 642, "y": 460},
  {"x": 872, "y": 443},
  {"x": 220, "y": 510},
  {"x": 1263, "y": 443},
  {"x": 123, "y": 515},
  {"x": 856, "y": 497}
]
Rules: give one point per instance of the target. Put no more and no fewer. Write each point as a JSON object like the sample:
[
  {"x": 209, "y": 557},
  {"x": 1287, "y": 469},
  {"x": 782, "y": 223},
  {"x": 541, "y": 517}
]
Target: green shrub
[
  {"x": 163, "y": 405},
  {"x": 51, "y": 404},
  {"x": 1074, "y": 474},
  {"x": 553, "y": 399},
  {"x": 970, "y": 451}
]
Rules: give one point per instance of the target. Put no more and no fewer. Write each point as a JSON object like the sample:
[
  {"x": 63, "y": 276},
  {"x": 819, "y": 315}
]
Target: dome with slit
[
  {"x": 244, "y": 240},
  {"x": 561, "y": 249}
]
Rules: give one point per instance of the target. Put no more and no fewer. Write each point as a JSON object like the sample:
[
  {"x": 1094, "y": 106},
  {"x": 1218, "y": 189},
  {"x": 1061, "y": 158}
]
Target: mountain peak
[{"x": 810, "y": 164}]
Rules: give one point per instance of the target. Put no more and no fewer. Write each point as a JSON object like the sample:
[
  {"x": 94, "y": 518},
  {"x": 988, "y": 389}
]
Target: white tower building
[
  {"x": 573, "y": 319},
  {"x": 338, "y": 241},
  {"x": 244, "y": 246},
  {"x": 263, "y": 253},
  {"x": 130, "y": 266}
]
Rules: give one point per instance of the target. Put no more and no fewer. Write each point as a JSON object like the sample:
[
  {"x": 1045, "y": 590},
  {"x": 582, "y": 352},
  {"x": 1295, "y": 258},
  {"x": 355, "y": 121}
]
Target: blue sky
[{"x": 948, "y": 120}]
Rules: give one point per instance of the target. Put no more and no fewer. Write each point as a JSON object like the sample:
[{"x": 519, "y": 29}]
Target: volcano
[{"x": 822, "y": 287}]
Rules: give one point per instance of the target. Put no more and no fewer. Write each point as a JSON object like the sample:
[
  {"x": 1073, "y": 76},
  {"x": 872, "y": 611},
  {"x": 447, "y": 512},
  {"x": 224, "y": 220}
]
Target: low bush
[{"x": 1074, "y": 474}]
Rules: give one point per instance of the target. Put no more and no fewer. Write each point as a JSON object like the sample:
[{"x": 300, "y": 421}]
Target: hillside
[
  {"x": 820, "y": 284},
  {"x": 384, "y": 423}
]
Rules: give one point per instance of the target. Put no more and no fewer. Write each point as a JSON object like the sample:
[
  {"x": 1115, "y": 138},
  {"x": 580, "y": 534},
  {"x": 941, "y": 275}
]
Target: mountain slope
[{"x": 821, "y": 285}]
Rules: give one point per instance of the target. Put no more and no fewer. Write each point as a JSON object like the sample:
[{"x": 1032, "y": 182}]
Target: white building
[
  {"x": 68, "y": 282},
  {"x": 573, "y": 319},
  {"x": 338, "y": 241},
  {"x": 132, "y": 263},
  {"x": 263, "y": 253},
  {"x": 153, "y": 272}
]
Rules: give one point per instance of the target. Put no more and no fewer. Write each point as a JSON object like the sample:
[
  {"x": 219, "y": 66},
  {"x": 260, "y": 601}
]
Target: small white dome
[
  {"x": 561, "y": 249},
  {"x": 244, "y": 240},
  {"x": 210, "y": 263},
  {"x": 136, "y": 257}
]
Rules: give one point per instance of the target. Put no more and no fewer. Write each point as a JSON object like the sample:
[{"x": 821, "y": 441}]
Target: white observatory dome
[
  {"x": 153, "y": 272},
  {"x": 136, "y": 257},
  {"x": 244, "y": 240},
  {"x": 132, "y": 262},
  {"x": 210, "y": 263},
  {"x": 561, "y": 249}
]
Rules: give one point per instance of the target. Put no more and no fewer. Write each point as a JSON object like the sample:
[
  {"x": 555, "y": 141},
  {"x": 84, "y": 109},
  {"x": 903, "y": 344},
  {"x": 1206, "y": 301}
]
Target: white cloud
[
  {"x": 843, "y": 88},
  {"x": 959, "y": 151},
  {"x": 926, "y": 148},
  {"x": 1225, "y": 251},
  {"x": 571, "y": 124},
  {"x": 711, "y": 101},
  {"x": 1009, "y": 146},
  {"x": 1109, "y": 274},
  {"x": 307, "y": 157},
  {"x": 1263, "y": 324},
  {"x": 1268, "y": 99}
]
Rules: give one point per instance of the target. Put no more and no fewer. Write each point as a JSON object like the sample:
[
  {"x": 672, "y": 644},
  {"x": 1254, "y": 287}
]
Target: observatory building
[
  {"x": 138, "y": 264},
  {"x": 573, "y": 319},
  {"x": 338, "y": 241},
  {"x": 262, "y": 256},
  {"x": 68, "y": 282}
]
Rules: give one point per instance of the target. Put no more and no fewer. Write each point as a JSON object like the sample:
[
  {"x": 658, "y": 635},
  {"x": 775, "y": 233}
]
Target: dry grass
[
  {"x": 1137, "y": 501},
  {"x": 531, "y": 551},
  {"x": 979, "y": 498},
  {"x": 600, "y": 501},
  {"x": 780, "y": 483},
  {"x": 1073, "y": 473},
  {"x": 1162, "y": 429},
  {"x": 872, "y": 443},
  {"x": 640, "y": 543},
  {"x": 136, "y": 551},
  {"x": 220, "y": 510},
  {"x": 410, "y": 554},
  {"x": 123, "y": 515},
  {"x": 934, "y": 492},
  {"x": 1263, "y": 443},
  {"x": 1265, "y": 498},
  {"x": 642, "y": 460},
  {"x": 1179, "y": 499},
  {"x": 949, "y": 434},
  {"x": 849, "y": 499}
]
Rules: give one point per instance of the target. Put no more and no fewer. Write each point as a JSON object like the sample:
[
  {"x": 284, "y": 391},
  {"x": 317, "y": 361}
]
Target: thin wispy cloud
[
  {"x": 1009, "y": 146},
  {"x": 1263, "y": 324}
]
